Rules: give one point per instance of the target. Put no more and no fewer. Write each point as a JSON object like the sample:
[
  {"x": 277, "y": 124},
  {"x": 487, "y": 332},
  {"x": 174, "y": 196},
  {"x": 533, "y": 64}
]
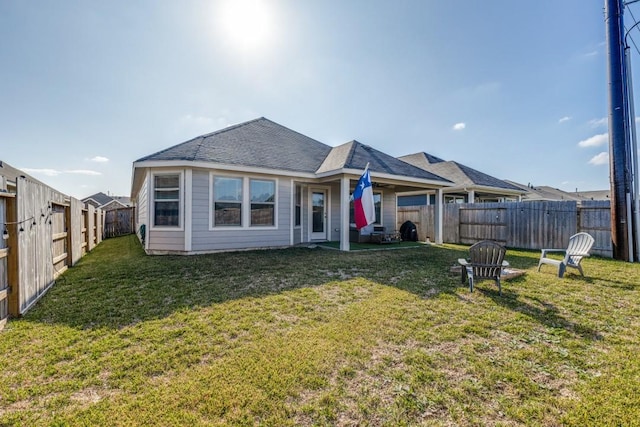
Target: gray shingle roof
[
  {"x": 100, "y": 198},
  {"x": 456, "y": 172},
  {"x": 263, "y": 143},
  {"x": 355, "y": 155},
  {"x": 259, "y": 142}
]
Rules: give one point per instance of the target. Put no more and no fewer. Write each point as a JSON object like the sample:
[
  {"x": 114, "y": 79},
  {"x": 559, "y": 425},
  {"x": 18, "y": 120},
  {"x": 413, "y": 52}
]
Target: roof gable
[
  {"x": 355, "y": 155},
  {"x": 99, "y": 198}
]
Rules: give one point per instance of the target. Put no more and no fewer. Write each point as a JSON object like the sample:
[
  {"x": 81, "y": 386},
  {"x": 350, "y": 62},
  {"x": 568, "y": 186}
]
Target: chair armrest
[
  {"x": 577, "y": 254},
  {"x": 505, "y": 263},
  {"x": 463, "y": 262},
  {"x": 545, "y": 251}
]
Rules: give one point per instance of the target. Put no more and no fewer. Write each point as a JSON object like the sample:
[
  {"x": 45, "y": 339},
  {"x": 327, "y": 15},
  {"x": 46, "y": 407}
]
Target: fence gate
[{"x": 118, "y": 222}]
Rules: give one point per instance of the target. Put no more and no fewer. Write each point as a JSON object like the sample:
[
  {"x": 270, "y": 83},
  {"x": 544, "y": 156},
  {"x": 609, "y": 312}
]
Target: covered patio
[{"x": 390, "y": 176}]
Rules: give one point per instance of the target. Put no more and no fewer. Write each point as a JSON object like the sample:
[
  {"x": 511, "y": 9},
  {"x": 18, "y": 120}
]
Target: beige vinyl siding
[
  {"x": 205, "y": 239},
  {"x": 334, "y": 235},
  {"x": 389, "y": 210}
]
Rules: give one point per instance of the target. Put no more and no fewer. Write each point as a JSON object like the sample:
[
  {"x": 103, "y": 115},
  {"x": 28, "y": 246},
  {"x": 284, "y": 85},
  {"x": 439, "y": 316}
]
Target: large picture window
[
  {"x": 227, "y": 201},
  {"x": 166, "y": 195},
  {"x": 263, "y": 202}
]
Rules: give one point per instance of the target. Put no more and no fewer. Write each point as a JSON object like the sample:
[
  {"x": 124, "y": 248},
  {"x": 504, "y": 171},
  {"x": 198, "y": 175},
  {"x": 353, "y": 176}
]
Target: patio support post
[
  {"x": 471, "y": 196},
  {"x": 438, "y": 217},
  {"x": 344, "y": 213}
]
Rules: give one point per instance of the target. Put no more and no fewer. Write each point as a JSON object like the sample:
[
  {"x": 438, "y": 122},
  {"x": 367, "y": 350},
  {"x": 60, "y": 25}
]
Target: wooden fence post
[{"x": 13, "y": 272}]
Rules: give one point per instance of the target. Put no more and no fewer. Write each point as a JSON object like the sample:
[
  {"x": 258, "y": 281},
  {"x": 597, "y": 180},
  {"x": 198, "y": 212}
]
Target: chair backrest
[
  {"x": 486, "y": 258},
  {"x": 579, "y": 246}
]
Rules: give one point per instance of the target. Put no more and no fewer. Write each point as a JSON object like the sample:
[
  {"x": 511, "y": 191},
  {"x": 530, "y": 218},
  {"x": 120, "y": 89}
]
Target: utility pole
[{"x": 618, "y": 132}]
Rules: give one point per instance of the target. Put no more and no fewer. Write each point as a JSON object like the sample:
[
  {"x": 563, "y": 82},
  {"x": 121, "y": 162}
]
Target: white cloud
[
  {"x": 459, "y": 126},
  {"x": 54, "y": 172},
  {"x": 46, "y": 172},
  {"x": 595, "y": 141},
  {"x": 600, "y": 159},
  {"x": 564, "y": 119},
  {"x": 83, "y": 172},
  {"x": 99, "y": 159},
  {"x": 590, "y": 54},
  {"x": 596, "y": 123}
]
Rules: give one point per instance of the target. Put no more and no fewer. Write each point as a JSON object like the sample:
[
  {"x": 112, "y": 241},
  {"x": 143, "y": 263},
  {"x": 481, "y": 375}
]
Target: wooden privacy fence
[
  {"x": 44, "y": 233},
  {"x": 118, "y": 222},
  {"x": 526, "y": 225}
]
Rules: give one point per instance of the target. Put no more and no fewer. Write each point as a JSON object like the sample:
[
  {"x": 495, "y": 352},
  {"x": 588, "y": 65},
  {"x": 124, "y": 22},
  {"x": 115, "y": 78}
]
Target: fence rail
[
  {"x": 526, "y": 225},
  {"x": 44, "y": 233}
]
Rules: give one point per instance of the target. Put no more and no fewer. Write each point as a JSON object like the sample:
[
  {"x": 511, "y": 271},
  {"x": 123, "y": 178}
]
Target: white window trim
[
  {"x": 310, "y": 191},
  {"x": 152, "y": 206},
  {"x": 275, "y": 204},
  {"x": 246, "y": 203},
  {"x": 293, "y": 204},
  {"x": 379, "y": 221},
  {"x": 212, "y": 226}
]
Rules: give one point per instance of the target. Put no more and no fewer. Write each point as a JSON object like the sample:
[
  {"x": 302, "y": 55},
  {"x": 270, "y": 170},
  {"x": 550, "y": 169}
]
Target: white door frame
[{"x": 327, "y": 216}]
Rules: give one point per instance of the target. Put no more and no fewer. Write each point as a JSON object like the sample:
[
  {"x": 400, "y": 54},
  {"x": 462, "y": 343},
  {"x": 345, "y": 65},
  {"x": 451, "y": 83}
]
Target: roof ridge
[
  {"x": 197, "y": 150},
  {"x": 352, "y": 151}
]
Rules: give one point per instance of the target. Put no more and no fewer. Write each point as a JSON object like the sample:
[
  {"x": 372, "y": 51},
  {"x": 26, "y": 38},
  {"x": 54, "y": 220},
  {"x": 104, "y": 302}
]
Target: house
[
  {"x": 546, "y": 193},
  {"x": 259, "y": 184},
  {"x": 106, "y": 202},
  {"x": 595, "y": 194},
  {"x": 471, "y": 186}
]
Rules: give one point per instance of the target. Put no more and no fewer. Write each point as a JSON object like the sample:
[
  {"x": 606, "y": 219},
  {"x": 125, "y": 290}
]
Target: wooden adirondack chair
[
  {"x": 486, "y": 262},
  {"x": 579, "y": 246}
]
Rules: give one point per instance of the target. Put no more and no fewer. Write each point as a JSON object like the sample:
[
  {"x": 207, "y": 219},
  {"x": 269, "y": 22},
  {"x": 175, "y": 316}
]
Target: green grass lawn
[{"x": 319, "y": 337}]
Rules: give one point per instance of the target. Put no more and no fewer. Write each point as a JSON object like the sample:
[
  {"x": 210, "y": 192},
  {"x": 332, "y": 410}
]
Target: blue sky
[{"x": 516, "y": 89}]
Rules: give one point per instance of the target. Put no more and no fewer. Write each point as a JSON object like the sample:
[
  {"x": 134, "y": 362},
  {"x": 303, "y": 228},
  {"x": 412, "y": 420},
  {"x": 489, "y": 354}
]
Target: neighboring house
[
  {"x": 106, "y": 202},
  {"x": 258, "y": 185},
  {"x": 470, "y": 185},
  {"x": 546, "y": 193},
  {"x": 595, "y": 195}
]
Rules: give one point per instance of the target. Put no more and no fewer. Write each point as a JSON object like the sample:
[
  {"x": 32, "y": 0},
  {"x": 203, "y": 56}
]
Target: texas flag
[{"x": 364, "y": 209}]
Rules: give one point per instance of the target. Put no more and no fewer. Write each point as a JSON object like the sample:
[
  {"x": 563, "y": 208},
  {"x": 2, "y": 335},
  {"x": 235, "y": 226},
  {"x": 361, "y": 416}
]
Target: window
[
  {"x": 166, "y": 195},
  {"x": 263, "y": 202},
  {"x": 417, "y": 200},
  {"x": 377, "y": 203},
  {"x": 454, "y": 199},
  {"x": 298, "y": 204},
  {"x": 227, "y": 201},
  {"x": 242, "y": 202}
]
